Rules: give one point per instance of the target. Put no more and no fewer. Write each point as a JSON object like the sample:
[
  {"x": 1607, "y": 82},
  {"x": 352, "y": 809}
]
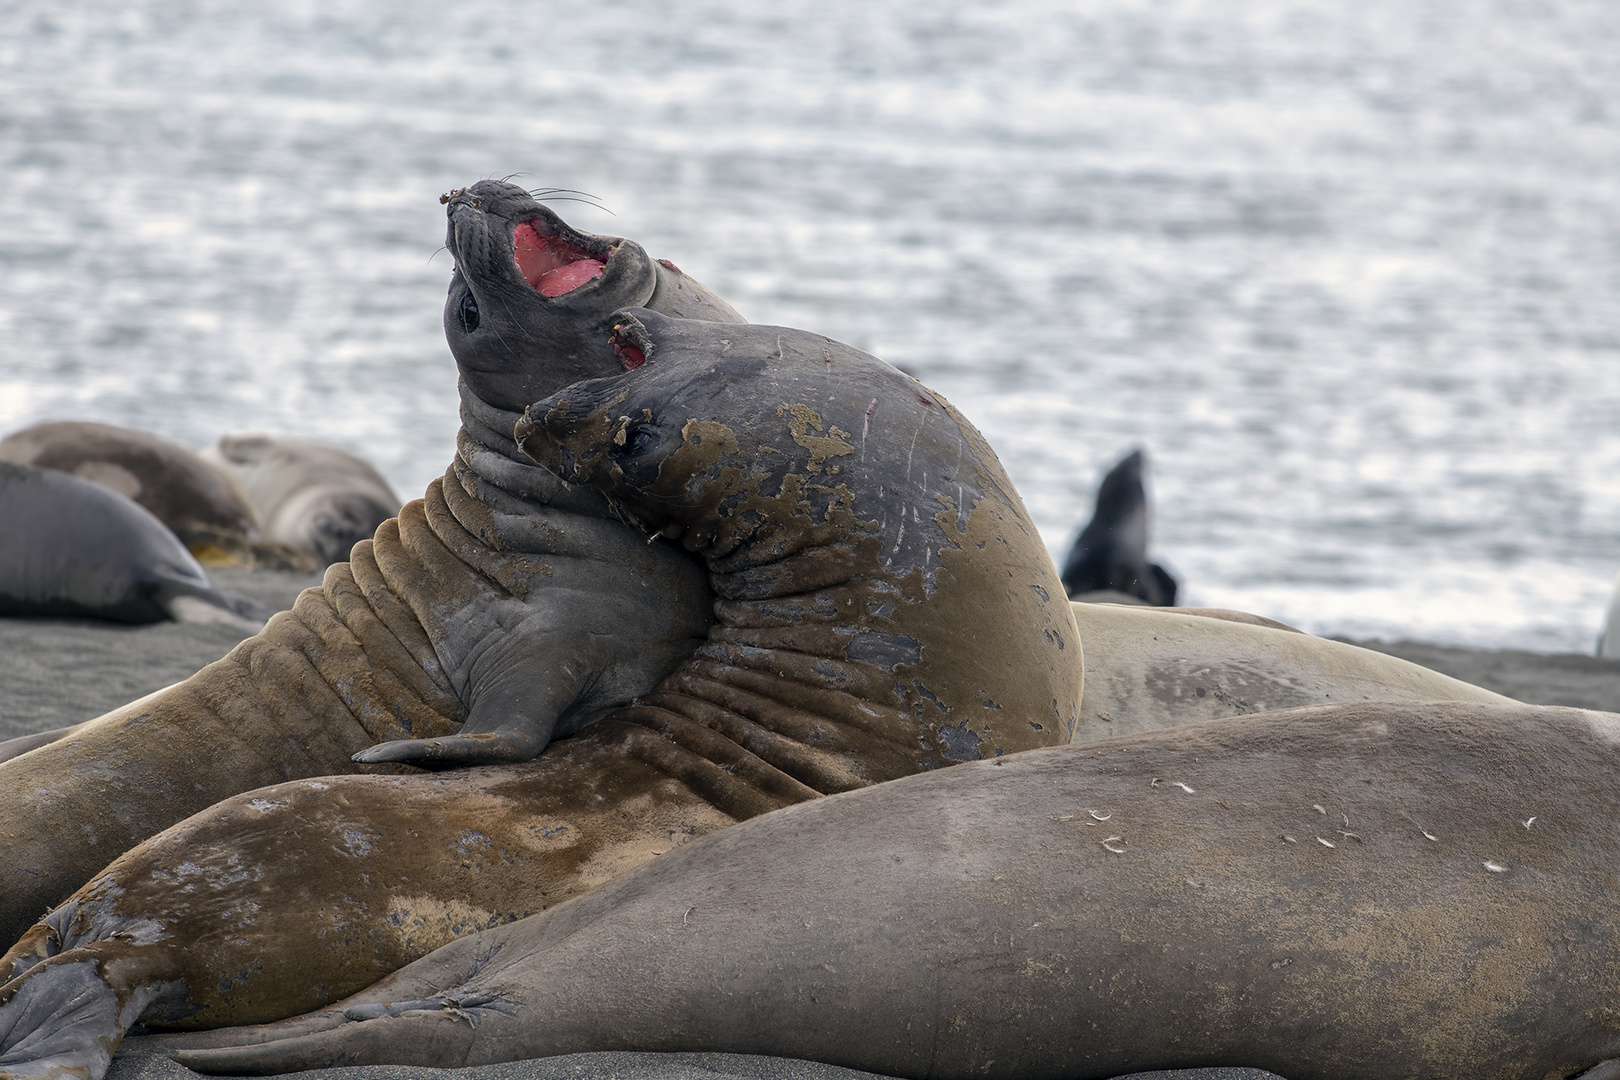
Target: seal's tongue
[{"x": 550, "y": 264}]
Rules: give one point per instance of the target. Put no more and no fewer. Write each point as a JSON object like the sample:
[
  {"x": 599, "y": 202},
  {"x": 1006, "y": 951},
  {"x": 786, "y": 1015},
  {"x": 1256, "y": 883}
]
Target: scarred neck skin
[{"x": 884, "y": 606}]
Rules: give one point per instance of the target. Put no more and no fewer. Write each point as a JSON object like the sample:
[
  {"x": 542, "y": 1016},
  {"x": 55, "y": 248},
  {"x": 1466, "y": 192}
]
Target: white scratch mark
[
  {"x": 1528, "y": 822},
  {"x": 1326, "y": 843},
  {"x": 1318, "y": 808},
  {"x": 1429, "y": 835},
  {"x": 1495, "y": 867},
  {"x": 1290, "y": 839},
  {"x": 1100, "y": 817},
  {"x": 1185, "y": 788},
  {"x": 1111, "y": 841}
]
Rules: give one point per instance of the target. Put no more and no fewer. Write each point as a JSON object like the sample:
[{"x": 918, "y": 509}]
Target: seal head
[{"x": 530, "y": 294}]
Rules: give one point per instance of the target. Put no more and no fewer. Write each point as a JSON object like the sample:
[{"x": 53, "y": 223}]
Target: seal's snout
[{"x": 461, "y": 197}]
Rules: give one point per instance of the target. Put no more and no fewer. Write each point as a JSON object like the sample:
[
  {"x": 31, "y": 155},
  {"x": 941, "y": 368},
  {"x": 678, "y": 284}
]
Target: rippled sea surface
[{"x": 1349, "y": 272}]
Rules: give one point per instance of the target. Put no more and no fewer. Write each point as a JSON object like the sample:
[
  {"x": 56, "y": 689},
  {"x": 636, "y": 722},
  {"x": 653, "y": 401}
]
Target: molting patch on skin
[{"x": 833, "y": 444}]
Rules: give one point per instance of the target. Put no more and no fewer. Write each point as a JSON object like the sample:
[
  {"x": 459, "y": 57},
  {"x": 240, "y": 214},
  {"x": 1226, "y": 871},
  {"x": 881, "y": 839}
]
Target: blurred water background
[{"x": 1349, "y": 272}]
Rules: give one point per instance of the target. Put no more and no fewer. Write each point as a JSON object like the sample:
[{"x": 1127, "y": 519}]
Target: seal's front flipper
[
  {"x": 518, "y": 704},
  {"x": 1607, "y": 1070},
  {"x": 480, "y": 748}
]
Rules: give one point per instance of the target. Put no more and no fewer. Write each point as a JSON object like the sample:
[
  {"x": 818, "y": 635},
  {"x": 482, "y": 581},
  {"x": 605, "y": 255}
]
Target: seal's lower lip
[{"x": 551, "y": 264}]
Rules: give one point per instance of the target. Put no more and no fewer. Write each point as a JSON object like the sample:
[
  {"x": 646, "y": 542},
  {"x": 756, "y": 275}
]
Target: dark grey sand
[
  {"x": 60, "y": 671},
  {"x": 610, "y": 1066}
]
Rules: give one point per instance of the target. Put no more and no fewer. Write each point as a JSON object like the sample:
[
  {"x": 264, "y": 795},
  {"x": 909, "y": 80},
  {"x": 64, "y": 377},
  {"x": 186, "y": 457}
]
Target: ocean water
[{"x": 1349, "y": 272}]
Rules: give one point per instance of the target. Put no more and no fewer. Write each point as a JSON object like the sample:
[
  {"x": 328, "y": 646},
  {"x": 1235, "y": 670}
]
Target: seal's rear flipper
[
  {"x": 186, "y": 602},
  {"x": 60, "y": 1019}
]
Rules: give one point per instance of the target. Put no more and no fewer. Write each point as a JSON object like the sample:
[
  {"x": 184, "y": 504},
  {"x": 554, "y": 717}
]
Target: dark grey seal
[
  {"x": 69, "y": 547},
  {"x": 1110, "y": 554}
]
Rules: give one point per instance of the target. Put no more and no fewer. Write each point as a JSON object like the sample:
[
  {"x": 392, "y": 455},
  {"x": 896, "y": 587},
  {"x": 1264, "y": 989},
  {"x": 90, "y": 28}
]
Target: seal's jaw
[{"x": 551, "y": 264}]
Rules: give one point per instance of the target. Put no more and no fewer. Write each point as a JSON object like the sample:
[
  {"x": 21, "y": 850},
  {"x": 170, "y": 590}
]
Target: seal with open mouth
[
  {"x": 498, "y": 610},
  {"x": 885, "y": 608}
]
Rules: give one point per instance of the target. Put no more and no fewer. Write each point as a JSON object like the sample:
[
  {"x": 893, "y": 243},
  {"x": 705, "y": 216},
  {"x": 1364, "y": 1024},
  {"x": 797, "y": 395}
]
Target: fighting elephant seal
[
  {"x": 495, "y": 610},
  {"x": 315, "y": 499},
  {"x": 70, "y": 547},
  {"x": 1372, "y": 890},
  {"x": 208, "y": 512},
  {"x": 886, "y": 607}
]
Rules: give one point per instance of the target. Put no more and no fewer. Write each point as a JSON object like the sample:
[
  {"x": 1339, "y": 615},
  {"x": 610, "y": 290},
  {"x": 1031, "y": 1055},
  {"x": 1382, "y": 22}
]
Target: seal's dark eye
[
  {"x": 467, "y": 312},
  {"x": 640, "y": 439}
]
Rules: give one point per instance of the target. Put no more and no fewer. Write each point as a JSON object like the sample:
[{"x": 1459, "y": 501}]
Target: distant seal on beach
[
  {"x": 208, "y": 512},
  {"x": 316, "y": 499},
  {"x": 1110, "y": 554},
  {"x": 1398, "y": 891},
  {"x": 72, "y": 548},
  {"x": 499, "y": 610},
  {"x": 885, "y": 607}
]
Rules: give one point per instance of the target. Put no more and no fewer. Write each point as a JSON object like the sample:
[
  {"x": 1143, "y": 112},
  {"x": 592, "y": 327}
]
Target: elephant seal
[
  {"x": 70, "y": 547},
  {"x": 1109, "y": 557},
  {"x": 206, "y": 510},
  {"x": 1151, "y": 668},
  {"x": 1389, "y": 890},
  {"x": 886, "y": 607},
  {"x": 315, "y": 499},
  {"x": 501, "y": 608}
]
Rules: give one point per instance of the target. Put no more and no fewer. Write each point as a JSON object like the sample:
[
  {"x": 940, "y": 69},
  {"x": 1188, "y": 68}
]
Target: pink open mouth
[{"x": 551, "y": 264}]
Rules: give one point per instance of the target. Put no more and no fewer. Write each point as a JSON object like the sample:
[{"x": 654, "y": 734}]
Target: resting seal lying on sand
[
  {"x": 315, "y": 499},
  {"x": 209, "y": 513},
  {"x": 498, "y": 609},
  {"x": 1152, "y": 668},
  {"x": 1373, "y": 890},
  {"x": 886, "y": 607},
  {"x": 69, "y": 547}
]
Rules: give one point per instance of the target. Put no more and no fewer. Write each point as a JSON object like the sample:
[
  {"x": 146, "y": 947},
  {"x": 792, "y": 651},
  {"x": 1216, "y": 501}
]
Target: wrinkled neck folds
[{"x": 882, "y": 596}]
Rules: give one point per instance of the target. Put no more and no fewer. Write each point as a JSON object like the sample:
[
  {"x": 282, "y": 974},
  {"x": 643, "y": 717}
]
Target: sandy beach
[{"x": 61, "y": 671}]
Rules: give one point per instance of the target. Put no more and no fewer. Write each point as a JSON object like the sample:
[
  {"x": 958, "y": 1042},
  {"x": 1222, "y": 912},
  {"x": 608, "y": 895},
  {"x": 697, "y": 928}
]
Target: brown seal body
[
  {"x": 1392, "y": 890},
  {"x": 879, "y": 615},
  {"x": 501, "y": 608}
]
